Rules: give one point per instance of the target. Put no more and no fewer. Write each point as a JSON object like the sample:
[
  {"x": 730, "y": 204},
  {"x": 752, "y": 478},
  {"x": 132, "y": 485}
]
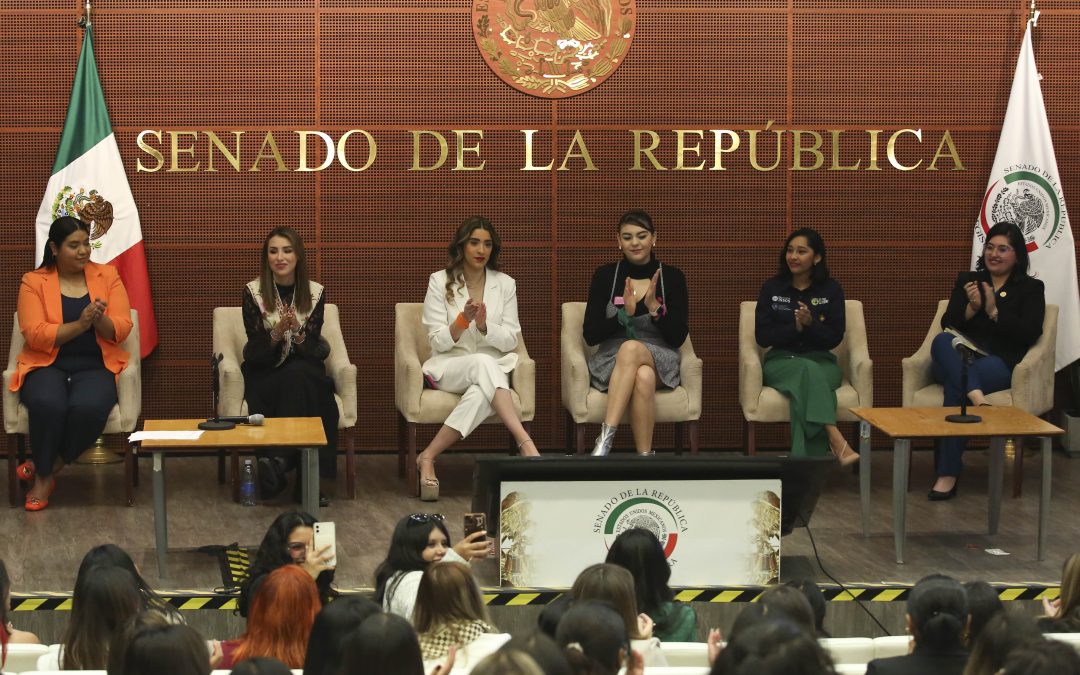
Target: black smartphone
[{"x": 475, "y": 522}]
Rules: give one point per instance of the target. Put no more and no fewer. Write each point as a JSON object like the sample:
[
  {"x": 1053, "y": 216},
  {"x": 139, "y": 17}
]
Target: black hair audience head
[
  {"x": 1004, "y": 632},
  {"x": 105, "y": 598},
  {"x": 111, "y": 555},
  {"x": 61, "y": 229},
  {"x": 1016, "y": 242},
  {"x": 773, "y": 647},
  {"x": 792, "y": 604},
  {"x": 544, "y": 651},
  {"x": 274, "y": 552},
  {"x": 611, "y": 584},
  {"x": 383, "y": 644},
  {"x": 594, "y": 637},
  {"x": 1048, "y": 657},
  {"x": 751, "y": 615},
  {"x": 508, "y": 662},
  {"x": 816, "y": 244},
  {"x": 812, "y": 592},
  {"x": 548, "y": 619},
  {"x": 639, "y": 551},
  {"x": 983, "y": 603},
  {"x": 937, "y": 614},
  {"x": 407, "y": 546},
  {"x": 263, "y": 665},
  {"x": 149, "y": 643},
  {"x": 336, "y": 620}
]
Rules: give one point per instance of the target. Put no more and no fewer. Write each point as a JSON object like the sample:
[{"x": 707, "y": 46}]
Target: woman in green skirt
[{"x": 800, "y": 316}]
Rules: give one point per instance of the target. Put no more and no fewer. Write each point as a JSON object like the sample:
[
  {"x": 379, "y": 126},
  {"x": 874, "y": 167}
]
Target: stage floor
[{"x": 42, "y": 550}]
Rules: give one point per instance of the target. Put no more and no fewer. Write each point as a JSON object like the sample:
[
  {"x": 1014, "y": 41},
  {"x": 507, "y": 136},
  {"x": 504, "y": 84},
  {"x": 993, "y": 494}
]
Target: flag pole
[
  {"x": 84, "y": 20},
  {"x": 1033, "y": 14}
]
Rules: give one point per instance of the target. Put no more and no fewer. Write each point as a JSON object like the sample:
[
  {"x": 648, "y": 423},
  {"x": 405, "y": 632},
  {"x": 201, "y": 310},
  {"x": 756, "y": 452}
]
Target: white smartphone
[{"x": 326, "y": 535}]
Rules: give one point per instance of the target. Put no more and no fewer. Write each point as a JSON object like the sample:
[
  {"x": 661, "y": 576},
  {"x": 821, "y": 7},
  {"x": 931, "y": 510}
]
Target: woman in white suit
[{"x": 471, "y": 318}]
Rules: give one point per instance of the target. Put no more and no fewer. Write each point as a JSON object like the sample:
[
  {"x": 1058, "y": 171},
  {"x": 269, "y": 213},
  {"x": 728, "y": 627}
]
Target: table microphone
[
  {"x": 966, "y": 357},
  {"x": 254, "y": 420}
]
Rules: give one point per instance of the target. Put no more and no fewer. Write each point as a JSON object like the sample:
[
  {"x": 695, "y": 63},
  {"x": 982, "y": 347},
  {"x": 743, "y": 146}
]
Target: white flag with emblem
[{"x": 1025, "y": 188}]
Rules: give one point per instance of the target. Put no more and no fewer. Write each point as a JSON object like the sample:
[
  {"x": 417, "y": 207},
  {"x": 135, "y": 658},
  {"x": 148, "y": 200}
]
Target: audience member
[
  {"x": 937, "y": 617},
  {"x": 262, "y": 665},
  {"x": 614, "y": 585},
  {"x": 773, "y": 647},
  {"x": 816, "y": 598},
  {"x": 508, "y": 662},
  {"x": 105, "y": 598},
  {"x": 552, "y": 613},
  {"x": 594, "y": 638},
  {"x": 149, "y": 643},
  {"x": 336, "y": 620},
  {"x": 8, "y": 633},
  {"x": 983, "y": 603},
  {"x": 1048, "y": 657},
  {"x": 386, "y": 643},
  {"x": 279, "y": 623},
  {"x": 111, "y": 555},
  {"x": 450, "y": 612},
  {"x": 790, "y": 602},
  {"x": 543, "y": 649},
  {"x": 1063, "y": 613},
  {"x": 288, "y": 542},
  {"x": 1004, "y": 633},
  {"x": 419, "y": 540},
  {"x": 639, "y": 552}
]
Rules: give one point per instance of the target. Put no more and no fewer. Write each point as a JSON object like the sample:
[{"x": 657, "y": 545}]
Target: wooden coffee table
[
  {"x": 305, "y": 433},
  {"x": 998, "y": 423}
]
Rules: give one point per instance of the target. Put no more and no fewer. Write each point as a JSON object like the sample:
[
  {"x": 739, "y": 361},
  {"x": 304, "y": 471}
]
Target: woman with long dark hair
[
  {"x": 105, "y": 598},
  {"x": 1000, "y": 308},
  {"x": 419, "y": 540},
  {"x": 637, "y": 315},
  {"x": 74, "y": 316},
  {"x": 333, "y": 624},
  {"x": 8, "y": 633},
  {"x": 800, "y": 317},
  {"x": 289, "y": 541},
  {"x": 640, "y": 553},
  {"x": 383, "y": 644},
  {"x": 471, "y": 317},
  {"x": 594, "y": 639},
  {"x": 614, "y": 585},
  {"x": 111, "y": 555},
  {"x": 284, "y": 375},
  {"x": 937, "y": 620},
  {"x": 149, "y": 643}
]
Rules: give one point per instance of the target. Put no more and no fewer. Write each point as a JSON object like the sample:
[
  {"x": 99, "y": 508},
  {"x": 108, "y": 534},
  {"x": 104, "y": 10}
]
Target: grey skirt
[{"x": 667, "y": 361}]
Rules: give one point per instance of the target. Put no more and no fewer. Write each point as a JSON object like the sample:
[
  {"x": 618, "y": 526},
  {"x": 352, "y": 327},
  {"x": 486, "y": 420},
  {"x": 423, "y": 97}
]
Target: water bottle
[{"x": 247, "y": 483}]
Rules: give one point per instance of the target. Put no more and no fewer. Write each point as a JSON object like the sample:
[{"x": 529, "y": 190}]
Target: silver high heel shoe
[{"x": 604, "y": 441}]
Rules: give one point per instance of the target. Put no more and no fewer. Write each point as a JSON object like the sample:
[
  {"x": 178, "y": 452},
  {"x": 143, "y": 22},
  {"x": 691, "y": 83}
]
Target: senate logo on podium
[
  {"x": 554, "y": 48},
  {"x": 1029, "y": 196}
]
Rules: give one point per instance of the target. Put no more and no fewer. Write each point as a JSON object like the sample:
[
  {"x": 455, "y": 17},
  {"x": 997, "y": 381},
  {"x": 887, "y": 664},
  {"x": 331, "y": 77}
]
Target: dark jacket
[
  {"x": 1021, "y": 306},
  {"x": 774, "y": 321},
  {"x": 920, "y": 662}
]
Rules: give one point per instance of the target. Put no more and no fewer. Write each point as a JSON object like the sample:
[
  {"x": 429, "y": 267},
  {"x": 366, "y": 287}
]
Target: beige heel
[
  {"x": 846, "y": 455},
  {"x": 428, "y": 488}
]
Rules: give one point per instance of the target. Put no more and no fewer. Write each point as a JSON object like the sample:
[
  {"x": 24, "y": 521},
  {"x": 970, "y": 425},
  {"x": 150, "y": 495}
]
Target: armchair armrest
[
  {"x": 1033, "y": 378},
  {"x": 574, "y": 380},
  {"x": 862, "y": 378},
  {"x": 231, "y": 386},
  {"x": 344, "y": 375},
  {"x": 916, "y": 374},
  {"x": 408, "y": 376},
  {"x": 690, "y": 373},
  {"x": 523, "y": 381},
  {"x": 11, "y": 405},
  {"x": 129, "y": 396},
  {"x": 750, "y": 380}
]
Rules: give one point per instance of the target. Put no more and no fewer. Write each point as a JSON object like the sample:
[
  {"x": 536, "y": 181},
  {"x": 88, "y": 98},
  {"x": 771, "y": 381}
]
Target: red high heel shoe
[
  {"x": 25, "y": 471},
  {"x": 35, "y": 504}
]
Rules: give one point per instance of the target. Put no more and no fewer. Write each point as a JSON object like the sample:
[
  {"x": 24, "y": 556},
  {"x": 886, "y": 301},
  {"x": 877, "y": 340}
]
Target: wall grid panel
[{"x": 391, "y": 66}]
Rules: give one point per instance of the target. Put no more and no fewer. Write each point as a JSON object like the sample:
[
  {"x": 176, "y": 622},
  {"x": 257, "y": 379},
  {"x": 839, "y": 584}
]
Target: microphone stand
[
  {"x": 966, "y": 357},
  {"x": 215, "y": 423}
]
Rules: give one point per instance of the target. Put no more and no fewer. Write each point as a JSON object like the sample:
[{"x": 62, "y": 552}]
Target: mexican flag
[
  {"x": 1025, "y": 188},
  {"x": 88, "y": 182}
]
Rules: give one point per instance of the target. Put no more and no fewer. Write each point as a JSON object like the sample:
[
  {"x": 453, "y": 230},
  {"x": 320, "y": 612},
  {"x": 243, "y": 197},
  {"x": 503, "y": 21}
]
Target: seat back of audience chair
[{"x": 22, "y": 658}]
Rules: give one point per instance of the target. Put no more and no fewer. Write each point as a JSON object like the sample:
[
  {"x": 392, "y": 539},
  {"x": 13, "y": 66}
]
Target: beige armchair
[
  {"x": 229, "y": 340},
  {"x": 585, "y": 405},
  {"x": 123, "y": 418},
  {"x": 765, "y": 404},
  {"x": 1032, "y": 380},
  {"x": 417, "y": 405}
]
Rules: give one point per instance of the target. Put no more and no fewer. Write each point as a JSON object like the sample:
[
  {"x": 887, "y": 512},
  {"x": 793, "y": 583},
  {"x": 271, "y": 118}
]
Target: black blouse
[
  {"x": 260, "y": 350},
  {"x": 1021, "y": 306},
  {"x": 674, "y": 325},
  {"x": 774, "y": 321}
]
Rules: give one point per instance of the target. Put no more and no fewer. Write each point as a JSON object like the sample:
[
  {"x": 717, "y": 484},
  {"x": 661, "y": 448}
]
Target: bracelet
[{"x": 461, "y": 322}]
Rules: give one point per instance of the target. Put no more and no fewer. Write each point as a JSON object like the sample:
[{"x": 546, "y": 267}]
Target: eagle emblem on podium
[{"x": 554, "y": 48}]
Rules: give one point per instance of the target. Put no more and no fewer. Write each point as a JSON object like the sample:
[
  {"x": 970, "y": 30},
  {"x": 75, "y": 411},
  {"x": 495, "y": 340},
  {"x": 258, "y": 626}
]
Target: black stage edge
[{"x": 802, "y": 478}]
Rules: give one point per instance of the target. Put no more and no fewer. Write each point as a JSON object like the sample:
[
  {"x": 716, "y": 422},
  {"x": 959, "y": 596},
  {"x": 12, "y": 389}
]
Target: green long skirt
[{"x": 809, "y": 381}]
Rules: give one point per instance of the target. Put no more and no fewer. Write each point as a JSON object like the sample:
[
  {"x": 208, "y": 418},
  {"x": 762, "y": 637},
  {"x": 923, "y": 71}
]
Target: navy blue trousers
[{"x": 987, "y": 374}]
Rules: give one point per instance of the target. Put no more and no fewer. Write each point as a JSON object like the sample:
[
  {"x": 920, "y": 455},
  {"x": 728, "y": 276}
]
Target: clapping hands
[{"x": 803, "y": 317}]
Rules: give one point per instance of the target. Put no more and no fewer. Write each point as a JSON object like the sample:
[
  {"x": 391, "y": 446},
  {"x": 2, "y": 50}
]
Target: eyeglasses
[
  {"x": 425, "y": 518},
  {"x": 296, "y": 547},
  {"x": 1001, "y": 250}
]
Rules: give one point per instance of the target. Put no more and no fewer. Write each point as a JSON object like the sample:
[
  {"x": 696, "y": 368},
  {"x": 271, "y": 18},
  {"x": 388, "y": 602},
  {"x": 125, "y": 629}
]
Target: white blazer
[{"x": 500, "y": 296}]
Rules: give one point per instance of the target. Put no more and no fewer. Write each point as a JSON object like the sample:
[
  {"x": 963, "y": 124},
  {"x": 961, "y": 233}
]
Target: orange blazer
[{"x": 41, "y": 315}]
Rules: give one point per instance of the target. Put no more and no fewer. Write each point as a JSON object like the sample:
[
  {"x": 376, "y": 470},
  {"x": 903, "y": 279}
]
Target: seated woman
[
  {"x": 284, "y": 375},
  {"x": 289, "y": 541},
  {"x": 104, "y": 600},
  {"x": 470, "y": 314},
  {"x": 614, "y": 585},
  {"x": 637, "y": 313},
  {"x": 8, "y": 633},
  {"x": 386, "y": 643},
  {"x": 111, "y": 555},
  {"x": 594, "y": 639},
  {"x": 450, "y": 611},
  {"x": 74, "y": 316},
  {"x": 639, "y": 552},
  {"x": 336, "y": 620},
  {"x": 279, "y": 621},
  {"x": 149, "y": 643},
  {"x": 1063, "y": 613},
  {"x": 1001, "y": 309},
  {"x": 800, "y": 316},
  {"x": 418, "y": 541},
  {"x": 937, "y": 617}
]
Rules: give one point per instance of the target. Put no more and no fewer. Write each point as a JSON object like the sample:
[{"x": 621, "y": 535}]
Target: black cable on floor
[{"x": 842, "y": 587}]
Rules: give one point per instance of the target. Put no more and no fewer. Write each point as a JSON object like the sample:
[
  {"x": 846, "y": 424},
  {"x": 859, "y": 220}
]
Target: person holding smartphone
[
  {"x": 74, "y": 315},
  {"x": 289, "y": 541},
  {"x": 471, "y": 317}
]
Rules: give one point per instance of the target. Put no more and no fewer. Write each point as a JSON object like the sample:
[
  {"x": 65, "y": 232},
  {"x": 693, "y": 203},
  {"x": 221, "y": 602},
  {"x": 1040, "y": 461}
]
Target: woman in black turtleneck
[
  {"x": 638, "y": 315},
  {"x": 283, "y": 367}
]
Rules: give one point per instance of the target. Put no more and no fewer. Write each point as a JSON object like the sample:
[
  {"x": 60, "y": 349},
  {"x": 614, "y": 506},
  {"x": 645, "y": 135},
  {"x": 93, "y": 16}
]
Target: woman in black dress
[{"x": 284, "y": 375}]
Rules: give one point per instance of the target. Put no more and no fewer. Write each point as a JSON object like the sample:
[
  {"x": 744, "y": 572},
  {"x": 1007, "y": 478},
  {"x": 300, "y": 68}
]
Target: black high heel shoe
[{"x": 936, "y": 496}]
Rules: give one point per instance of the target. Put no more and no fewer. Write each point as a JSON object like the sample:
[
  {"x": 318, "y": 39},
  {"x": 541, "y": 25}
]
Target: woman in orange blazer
[{"x": 74, "y": 316}]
